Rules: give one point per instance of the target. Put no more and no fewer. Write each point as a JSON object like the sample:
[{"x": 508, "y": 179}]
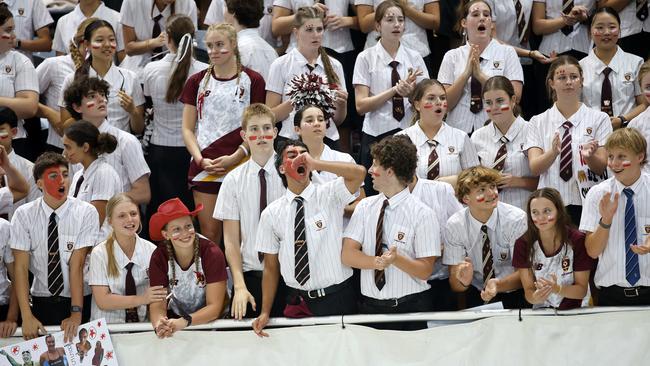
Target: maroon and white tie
[{"x": 566, "y": 157}]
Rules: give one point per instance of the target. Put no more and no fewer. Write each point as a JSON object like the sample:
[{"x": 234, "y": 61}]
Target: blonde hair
[
  {"x": 473, "y": 177},
  {"x": 111, "y": 265},
  {"x": 629, "y": 139},
  {"x": 256, "y": 109},
  {"x": 231, "y": 34},
  {"x": 302, "y": 15},
  {"x": 76, "y": 55}
]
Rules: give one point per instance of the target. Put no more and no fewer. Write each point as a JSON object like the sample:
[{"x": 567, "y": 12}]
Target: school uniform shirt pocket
[
  {"x": 402, "y": 237},
  {"x": 643, "y": 229},
  {"x": 8, "y": 75},
  {"x": 502, "y": 254},
  {"x": 317, "y": 226},
  {"x": 66, "y": 247}
]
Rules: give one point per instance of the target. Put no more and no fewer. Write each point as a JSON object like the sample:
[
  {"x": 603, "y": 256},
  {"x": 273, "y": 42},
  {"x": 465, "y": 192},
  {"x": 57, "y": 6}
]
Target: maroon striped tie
[
  {"x": 606, "y": 94},
  {"x": 380, "y": 275},
  {"x": 433, "y": 168},
  {"x": 567, "y": 5},
  {"x": 566, "y": 157},
  {"x": 502, "y": 154}
]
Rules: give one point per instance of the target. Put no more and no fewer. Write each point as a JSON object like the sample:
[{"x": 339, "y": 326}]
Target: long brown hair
[
  {"x": 562, "y": 223},
  {"x": 561, "y": 61},
  {"x": 418, "y": 93},
  {"x": 302, "y": 15},
  {"x": 88, "y": 36},
  {"x": 111, "y": 265},
  {"x": 177, "y": 26},
  {"x": 381, "y": 10}
]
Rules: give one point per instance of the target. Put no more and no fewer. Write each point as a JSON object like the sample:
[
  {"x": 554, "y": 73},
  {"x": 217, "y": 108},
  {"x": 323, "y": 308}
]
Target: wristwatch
[
  {"x": 75, "y": 309},
  {"x": 624, "y": 121},
  {"x": 188, "y": 318}
]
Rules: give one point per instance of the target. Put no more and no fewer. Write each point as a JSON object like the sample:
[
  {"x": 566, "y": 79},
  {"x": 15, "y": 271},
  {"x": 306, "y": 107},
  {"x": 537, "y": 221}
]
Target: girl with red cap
[{"x": 189, "y": 266}]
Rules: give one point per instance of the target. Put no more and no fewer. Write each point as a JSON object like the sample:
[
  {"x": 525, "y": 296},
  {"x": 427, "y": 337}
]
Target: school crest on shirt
[
  {"x": 647, "y": 229},
  {"x": 566, "y": 263},
  {"x": 628, "y": 76},
  {"x": 69, "y": 245},
  {"x": 7, "y": 69},
  {"x": 496, "y": 64},
  {"x": 589, "y": 130},
  {"x": 319, "y": 224},
  {"x": 538, "y": 266},
  {"x": 451, "y": 149},
  {"x": 400, "y": 236},
  {"x": 200, "y": 279},
  {"x": 503, "y": 255},
  {"x": 21, "y": 11}
]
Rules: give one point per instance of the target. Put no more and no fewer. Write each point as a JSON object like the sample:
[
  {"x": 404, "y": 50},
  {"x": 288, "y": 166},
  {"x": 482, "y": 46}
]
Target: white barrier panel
[{"x": 619, "y": 338}]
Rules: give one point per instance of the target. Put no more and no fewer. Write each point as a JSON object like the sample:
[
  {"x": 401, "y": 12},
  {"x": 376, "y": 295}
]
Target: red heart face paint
[{"x": 54, "y": 182}]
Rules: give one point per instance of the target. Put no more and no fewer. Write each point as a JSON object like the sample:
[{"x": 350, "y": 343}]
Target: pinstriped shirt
[
  {"x": 239, "y": 200},
  {"x": 78, "y": 226},
  {"x": 17, "y": 74},
  {"x": 588, "y": 125},
  {"x": 611, "y": 262},
  {"x": 323, "y": 210},
  {"x": 51, "y": 74},
  {"x": 487, "y": 140},
  {"x": 26, "y": 169},
  {"x": 6, "y": 257},
  {"x": 463, "y": 238},
  {"x": 577, "y": 40},
  {"x": 409, "y": 225}
]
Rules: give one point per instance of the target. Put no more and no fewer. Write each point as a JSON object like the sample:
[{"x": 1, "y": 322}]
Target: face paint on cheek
[
  {"x": 289, "y": 157},
  {"x": 113, "y": 45},
  {"x": 488, "y": 110},
  {"x": 4, "y": 135},
  {"x": 5, "y": 36},
  {"x": 626, "y": 163},
  {"x": 53, "y": 182},
  {"x": 444, "y": 105},
  {"x": 504, "y": 108},
  {"x": 90, "y": 104},
  {"x": 375, "y": 174},
  {"x": 268, "y": 137},
  {"x": 224, "y": 51},
  {"x": 252, "y": 138},
  {"x": 480, "y": 198},
  {"x": 95, "y": 45},
  {"x": 427, "y": 105},
  {"x": 550, "y": 218}
]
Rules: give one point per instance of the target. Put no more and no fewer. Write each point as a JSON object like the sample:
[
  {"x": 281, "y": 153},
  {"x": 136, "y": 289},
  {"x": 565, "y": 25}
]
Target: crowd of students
[{"x": 468, "y": 188}]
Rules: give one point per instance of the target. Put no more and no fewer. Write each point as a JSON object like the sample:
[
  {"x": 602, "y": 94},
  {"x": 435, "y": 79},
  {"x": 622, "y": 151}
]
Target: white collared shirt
[
  {"x": 239, "y": 200},
  {"x": 26, "y": 169},
  {"x": 441, "y": 199},
  {"x": 410, "y": 226},
  {"x": 100, "y": 183},
  {"x": 623, "y": 78},
  {"x": 323, "y": 210},
  {"x": 17, "y": 73},
  {"x": 255, "y": 52},
  {"x": 117, "y": 78},
  {"x": 293, "y": 63},
  {"x": 504, "y": 16},
  {"x": 414, "y": 36},
  {"x": 611, "y": 262},
  {"x": 577, "y": 40},
  {"x": 51, "y": 75},
  {"x": 139, "y": 14},
  {"x": 372, "y": 69},
  {"x": 463, "y": 238},
  {"x": 6, "y": 257},
  {"x": 498, "y": 59},
  {"x": 6, "y": 201},
  {"x": 66, "y": 27},
  {"x": 338, "y": 40},
  {"x": 98, "y": 276},
  {"x": 588, "y": 125},
  {"x": 487, "y": 141},
  {"x": 78, "y": 226},
  {"x": 642, "y": 123},
  {"x": 215, "y": 12},
  {"x": 455, "y": 150},
  {"x": 630, "y": 24},
  {"x": 167, "y": 117},
  {"x": 29, "y": 16}
]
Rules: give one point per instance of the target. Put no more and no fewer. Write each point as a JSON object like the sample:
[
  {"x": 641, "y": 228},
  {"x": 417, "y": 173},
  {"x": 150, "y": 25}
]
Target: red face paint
[
  {"x": 95, "y": 45},
  {"x": 4, "y": 135},
  {"x": 54, "y": 182},
  {"x": 90, "y": 104},
  {"x": 5, "y": 36},
  {"x": 550, "y": 218},
  {"x": 252, "y": 138},
  {"x": 289, "y": 155},
  {"x": 488, "y": 110},
  {"x": 268, "y": 137},
  {"x": 375, "y": 174},
  {"x": 480, "y": 198},
  {"x": 427, "y": 105},
  {"x": 444, "y": 105},
  {"x": 504, "y": 108},
  {"x": 626, "y": 163},
  {"x": 113, "y": 45}
]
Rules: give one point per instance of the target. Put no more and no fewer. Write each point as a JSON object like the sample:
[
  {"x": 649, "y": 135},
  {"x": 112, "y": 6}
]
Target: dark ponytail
[
  {"x": 177, "y": 27},
  {"x": 84, "y": 132}
]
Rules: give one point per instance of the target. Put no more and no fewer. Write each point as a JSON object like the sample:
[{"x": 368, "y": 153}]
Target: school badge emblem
[
  {"x": 589, "y": 130},
  {"x": 69, "y": 245},
  {"x": 503, "y": 255},
  {"x": 400, "y": 236},
  {"x": 566, "y": 262},
  {"x": 496, "y": 64},
  {"x": 647, "y": 229},
  {"x": 628, "y": 76},
  {"x": 7, "y": 69},
  {"x": 451, "y": 149},
  {"x": 21, "y": 11},
  {"x": 319, "y": 224}
]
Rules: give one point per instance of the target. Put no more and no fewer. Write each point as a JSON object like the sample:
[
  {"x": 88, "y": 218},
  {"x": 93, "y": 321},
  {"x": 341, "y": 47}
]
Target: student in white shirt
[
  {"x": 479, "y": 242},
  {"x": 607, "y": 60},
  {"x": 122, "y": 255},
  {"x": 642, "y": 121},
  {"x": 97, "y": 182},
  {"x": 551, "y": 257},
  {"x": 465, "y": 69},
  {"x": 163, "y": 83},
  {"x": 395, "y": 270},
  {"x": 500, "y": 144},
  {"x": 244, "y": 194},
  {"x": 384, "y": 103},
  {"x": 443, "y": 151},
  {"x": 9, "y": 309},
  {"x": 309, "y": 57},
  {"x": 139, "y": 20},
  {"x": 51, "y": 76},
  {"x": 616, "y": 218},
  {"x": 214, "y": 100},
  {"x": 67, "y": 25},
  {"x": 32, "y": 21},
  {"x": 125, "y": 107},
  {"x": 309, "y": 123},
  {"x": 18, "y": 81},
  {"x": 255, "y": 52},
  {"x": 635, "y": 24},
  {"x": 581, "y": 162},
  {"x": 86, "y": 99},
  {"x": 319, "y": 284},
  {"x": 54, "y": 229},
  {"x": 420, "y": 17}
]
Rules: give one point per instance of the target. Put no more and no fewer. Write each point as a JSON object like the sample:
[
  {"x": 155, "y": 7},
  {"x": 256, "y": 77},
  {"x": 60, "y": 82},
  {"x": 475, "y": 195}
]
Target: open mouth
[
  {"x": 481, "y": 28},
  {"x": 301, "y": 170},
  {"x": 61, "y": 190},
  {"x": 438, "y": 110}
]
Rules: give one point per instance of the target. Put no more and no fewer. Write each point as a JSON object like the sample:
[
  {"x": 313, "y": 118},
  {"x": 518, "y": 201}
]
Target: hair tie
[{"x": 183, "y": 47}]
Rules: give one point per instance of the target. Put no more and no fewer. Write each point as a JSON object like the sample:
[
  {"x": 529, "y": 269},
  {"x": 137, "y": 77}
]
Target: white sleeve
[
  {"x": 283, "y": 3},
  {"x": 446, "y": 71},
  {"x": 44, "y": 73},
  {"x": 136, "y": 90},
  {"x": 590, "y": 211},
  {"x": 134, "y": 162},
  {"x": 355, "y": 228},
  {"x": 276, "y": 80},
  {"x": 66, "y": 83},
  {"x": 427, "y": 235},
  {"x": 534, "y": 138},
  {"x": 603, "y": 128},
  {"x": 40, "y": 15},
  {"x": 107, "y": 184},
  {"x": 6, "y": 200},
  {"x": 26, "y": 78},
  {"x": 214, "y": 14},
  {"x": 227, "y": 206},
  {"x": 5, "y": 234},
  {"x": 98, "y": 274},
  {"x": 266, "y": 241},
  {"x": 89, "y": 228},
  {"x": 20, "y": 238},
  {"x": 468, "y": 156},
  {"x": 361, "y": 75},
  {"x": 513, "y": 70},
  {"x": 127, "y": 13},
  {"x": 455, "y": 248},
  {"x": 58, "y": 43}
]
